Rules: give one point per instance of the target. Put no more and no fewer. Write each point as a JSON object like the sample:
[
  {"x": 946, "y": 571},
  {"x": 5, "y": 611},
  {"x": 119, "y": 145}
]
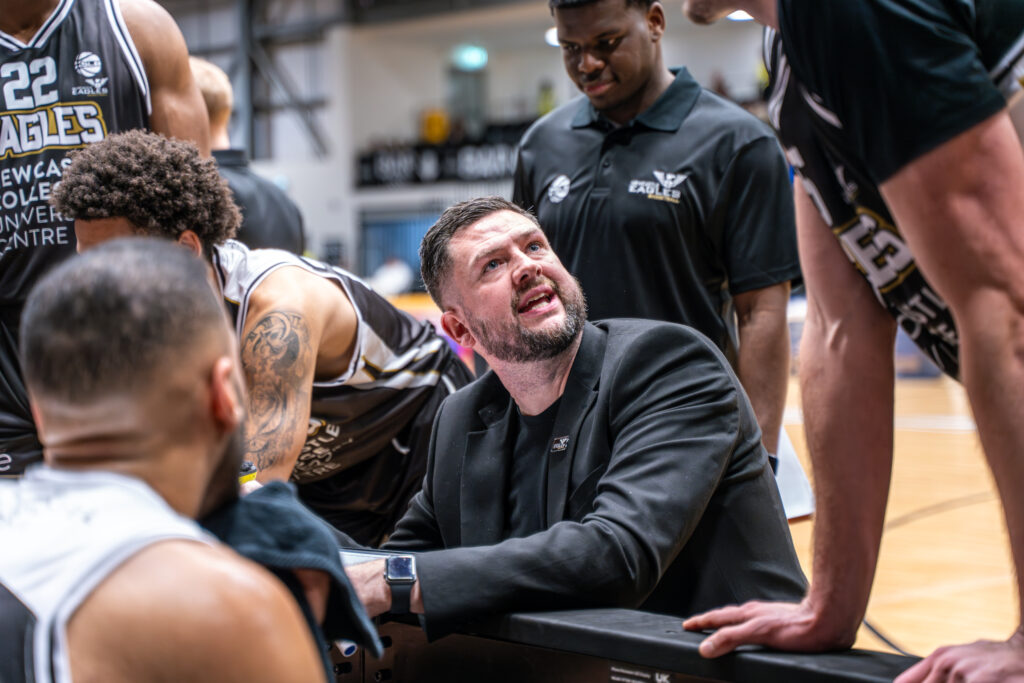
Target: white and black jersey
[
  {"x": 852, "y": 207},
  {"x": 62, "y": 533},
  {"x": 383, "y": 403},
  {"x": 77, "y": 80}
]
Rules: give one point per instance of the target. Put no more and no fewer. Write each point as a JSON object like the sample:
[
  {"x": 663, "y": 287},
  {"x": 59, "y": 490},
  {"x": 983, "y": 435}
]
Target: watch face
[{"x": 401, "y": 568}]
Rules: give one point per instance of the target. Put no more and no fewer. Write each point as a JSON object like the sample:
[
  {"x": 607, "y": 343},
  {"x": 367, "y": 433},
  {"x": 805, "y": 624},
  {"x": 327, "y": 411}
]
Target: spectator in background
[
  {"x": 394, "y": 276},
  {"x": 270, "y": 219}
]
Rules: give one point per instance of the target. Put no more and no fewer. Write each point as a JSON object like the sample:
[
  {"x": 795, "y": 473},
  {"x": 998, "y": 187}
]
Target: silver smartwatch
[{"x": 400, "y": 573}]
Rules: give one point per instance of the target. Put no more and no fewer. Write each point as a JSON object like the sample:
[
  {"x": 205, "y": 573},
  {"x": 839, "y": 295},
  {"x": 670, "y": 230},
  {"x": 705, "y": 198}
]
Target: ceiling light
[
  {"x": 551, "y": 37},
  {"x": 469, "y": 57},
  {"x": 740, "y": 15}
]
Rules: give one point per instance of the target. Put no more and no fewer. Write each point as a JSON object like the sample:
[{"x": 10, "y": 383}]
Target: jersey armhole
[{"x": 124, "y": 40}]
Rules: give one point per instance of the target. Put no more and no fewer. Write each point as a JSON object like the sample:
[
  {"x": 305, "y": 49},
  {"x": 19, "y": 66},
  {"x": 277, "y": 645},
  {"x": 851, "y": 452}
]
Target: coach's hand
[
  {"x": 373, "y": 591},
  {"x": 984, "y": 661},
  {"x": 780, "y": 625}
]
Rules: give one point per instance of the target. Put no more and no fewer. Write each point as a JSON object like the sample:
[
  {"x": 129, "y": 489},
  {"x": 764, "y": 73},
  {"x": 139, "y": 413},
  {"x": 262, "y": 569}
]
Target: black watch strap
[{"x": 401, "y": 597}]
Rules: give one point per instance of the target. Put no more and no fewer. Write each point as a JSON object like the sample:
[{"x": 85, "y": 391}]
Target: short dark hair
[
  {"x": 435, "y": 259},
  {"x": 163, "y": 186},
  {"x": 115, "y": 318},
  {"x": 565, "y": 4}
]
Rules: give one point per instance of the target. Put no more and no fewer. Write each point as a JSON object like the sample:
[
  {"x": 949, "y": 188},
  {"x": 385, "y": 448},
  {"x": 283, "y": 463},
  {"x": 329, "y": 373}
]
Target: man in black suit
[{"x": 608, "y": 464}]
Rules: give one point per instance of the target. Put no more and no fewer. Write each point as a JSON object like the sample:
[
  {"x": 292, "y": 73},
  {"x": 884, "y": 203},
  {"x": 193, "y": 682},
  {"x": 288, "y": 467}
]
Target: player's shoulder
[
  {"x": 218, "y": 582},
  {"x": 176, "y": 597},
  {"x": 725, "y": 121},
  {"x": 144, "y": 17},
  {"x": 284, "y": 281}
]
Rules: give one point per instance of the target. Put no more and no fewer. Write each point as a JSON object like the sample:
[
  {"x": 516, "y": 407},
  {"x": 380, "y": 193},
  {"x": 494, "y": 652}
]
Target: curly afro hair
[{"x": 163, "y": 186}]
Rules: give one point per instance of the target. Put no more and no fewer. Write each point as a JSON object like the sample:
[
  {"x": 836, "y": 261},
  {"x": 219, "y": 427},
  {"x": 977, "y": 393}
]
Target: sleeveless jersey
[
  {"x": 62, "y": 534},
  {"x": 852, "y": 207},
  {"x": 397, "y": 363},
  {"x": 78, "y": 79}
]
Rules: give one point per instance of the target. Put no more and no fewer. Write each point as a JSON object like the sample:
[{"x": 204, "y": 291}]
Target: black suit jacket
[{"x": 661, "y": 499}]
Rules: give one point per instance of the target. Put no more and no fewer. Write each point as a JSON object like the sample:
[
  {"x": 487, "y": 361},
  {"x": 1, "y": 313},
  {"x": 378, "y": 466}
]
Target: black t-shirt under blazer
[{"x": 668, "y": 216}]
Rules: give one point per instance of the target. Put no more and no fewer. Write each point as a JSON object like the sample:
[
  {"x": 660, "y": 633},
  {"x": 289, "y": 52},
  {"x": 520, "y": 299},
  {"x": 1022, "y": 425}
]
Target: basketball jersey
[
  {"x": 397, "y": 363},
  {"x": 852, "y": 207},
  {"x": 62, "y": 533},
  {"x": 78, "y": 79}
]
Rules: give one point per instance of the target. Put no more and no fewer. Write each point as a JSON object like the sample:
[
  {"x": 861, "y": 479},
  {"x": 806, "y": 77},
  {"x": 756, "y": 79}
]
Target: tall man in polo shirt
[{"x": 666, "y": 201}]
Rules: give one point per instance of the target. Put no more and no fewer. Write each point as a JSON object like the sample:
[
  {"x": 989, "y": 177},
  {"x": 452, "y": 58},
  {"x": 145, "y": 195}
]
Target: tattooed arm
[
  {"x": 295, "y": 326},
  {"x": 278, "y": 361}
]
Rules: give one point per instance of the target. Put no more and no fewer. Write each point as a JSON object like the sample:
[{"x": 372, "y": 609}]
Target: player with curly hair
[
  {"x": 343, "y": 387},
  {"x": 161, "y": 186}
]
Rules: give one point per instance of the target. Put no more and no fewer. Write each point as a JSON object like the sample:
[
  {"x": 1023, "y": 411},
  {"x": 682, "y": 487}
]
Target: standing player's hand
[
  {"x": 984, "y": 661},
  {"x": 780, "y": 625}
]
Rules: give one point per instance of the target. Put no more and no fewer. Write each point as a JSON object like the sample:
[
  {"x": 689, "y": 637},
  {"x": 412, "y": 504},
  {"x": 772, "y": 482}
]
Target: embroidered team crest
[
  {"x": 669, "y": 180},
  {"x": 663, "y": 190},
  {"x": 559, "y": 444},
  {"x": 558, "y": 189},
  {"x": 89, "y": 65}
]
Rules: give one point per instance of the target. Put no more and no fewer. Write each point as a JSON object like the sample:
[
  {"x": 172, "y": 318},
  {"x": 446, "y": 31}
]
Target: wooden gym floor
[{"x": 944, "y": 575}]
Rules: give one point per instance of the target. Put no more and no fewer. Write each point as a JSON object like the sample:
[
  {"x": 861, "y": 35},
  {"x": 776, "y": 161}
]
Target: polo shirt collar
[
  {"x": 666, "y": 114},
  {"x": 231, "y": 157}
]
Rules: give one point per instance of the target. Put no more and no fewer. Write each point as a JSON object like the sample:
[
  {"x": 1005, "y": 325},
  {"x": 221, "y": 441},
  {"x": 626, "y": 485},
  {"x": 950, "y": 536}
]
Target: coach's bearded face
[{"x": 508, "y": 339}]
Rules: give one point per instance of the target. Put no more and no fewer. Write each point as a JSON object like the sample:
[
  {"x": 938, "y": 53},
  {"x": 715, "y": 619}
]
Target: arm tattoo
[{"x": 278, "y": 361}]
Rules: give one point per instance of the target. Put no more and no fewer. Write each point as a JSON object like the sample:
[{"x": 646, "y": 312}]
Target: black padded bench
[{"x": 595, "y": 646}]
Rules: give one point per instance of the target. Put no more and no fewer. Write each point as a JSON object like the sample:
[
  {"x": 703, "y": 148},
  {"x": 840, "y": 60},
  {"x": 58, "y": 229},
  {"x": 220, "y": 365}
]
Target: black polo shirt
[
  {"x": 667, "y": 216},
  {"x": 270, "y": 219}
]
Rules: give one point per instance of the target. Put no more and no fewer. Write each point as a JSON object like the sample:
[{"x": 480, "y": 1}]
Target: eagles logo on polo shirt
[{"x": 662, "y": 190}]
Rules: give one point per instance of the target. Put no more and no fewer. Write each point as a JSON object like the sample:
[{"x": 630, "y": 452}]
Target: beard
[
  {"x": 223, "y": 487},
  {"x": 511, "y": 342}
]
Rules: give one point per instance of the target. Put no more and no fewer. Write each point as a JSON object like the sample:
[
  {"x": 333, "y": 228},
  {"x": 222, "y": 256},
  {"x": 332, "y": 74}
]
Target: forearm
[
  {"x": 763, "y": 370},
  {"x": 565, "y": 567},
  {"x": 763, "y": 358},
  {"x": 375, "y": 593},
  {"x": 847, "y": 396}
]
